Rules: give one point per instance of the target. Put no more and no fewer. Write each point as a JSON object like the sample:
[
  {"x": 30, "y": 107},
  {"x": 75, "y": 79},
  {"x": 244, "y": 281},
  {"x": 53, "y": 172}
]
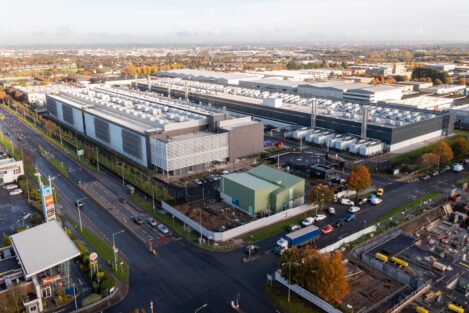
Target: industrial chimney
[
  {"x": 186, "y": 90},
  {"x": 314, "y": 103},
  {"x": 365, "y": 120}
]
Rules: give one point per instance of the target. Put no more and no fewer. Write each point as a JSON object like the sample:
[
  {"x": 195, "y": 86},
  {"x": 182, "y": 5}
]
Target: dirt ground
[
  {"x": 367, "y": 287},
  {"x": 215, "y": 214}
]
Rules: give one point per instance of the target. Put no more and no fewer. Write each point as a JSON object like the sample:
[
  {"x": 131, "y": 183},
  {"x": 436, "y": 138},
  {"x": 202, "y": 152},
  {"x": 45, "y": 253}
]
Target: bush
[
  {"x": 95, "y": 286},
  {"x": 107, "y": 284},
  {"x": 6, "y": 241},
  {"x": 91, "y": 299},
  {"x": 101, "y": 276}
]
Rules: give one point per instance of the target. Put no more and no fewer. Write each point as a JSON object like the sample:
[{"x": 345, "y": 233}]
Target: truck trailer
[{"x": 297, "y": 238}]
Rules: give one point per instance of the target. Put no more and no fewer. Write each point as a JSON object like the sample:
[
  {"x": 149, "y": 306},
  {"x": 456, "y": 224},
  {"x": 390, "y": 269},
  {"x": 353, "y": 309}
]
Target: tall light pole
[
  {"x": 79, "y": 211},
  {"x": 289, "y": 278},
  {"x": 203, "y": 306},
  {"x": 97, "y": 158},
  {"x": 123, "y": 180},
  {"x": 114, "y": 248}
]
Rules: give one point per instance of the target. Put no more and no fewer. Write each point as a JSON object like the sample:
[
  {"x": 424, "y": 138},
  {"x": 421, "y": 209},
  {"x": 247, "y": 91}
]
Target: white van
[{"x": 458, "y": 168}]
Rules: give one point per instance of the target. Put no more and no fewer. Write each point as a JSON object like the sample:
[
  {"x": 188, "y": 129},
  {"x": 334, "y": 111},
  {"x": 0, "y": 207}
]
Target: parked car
[
  {"x": 79, "y": 204},
  {"x": 320, "y": 217},
  {"x": 294, "y": 227},
  {"x": 425, "y": 177},
  {"x": 197, "y": 182},
  {"x": 137, "y": 220},
  {"x": 307, "y": 221},
  {"x": 354, "y": 209},
  {"x": 458, "y": 168},
  {"x": 435, "y": 173},
  {"x": 122, "y": 200},
  {"x": 339, "y": 222},
  {"x": 16, "y": 192},
  {"x": 220, "y": 229},
  {"x": 447, "y": 168},
  {"x": 362, "y": 201},
  {"x": 251, "y": 249},
  {"x": 346, "y": 201},
  {"x": 10, "y": 187},
  {"x": 327, "y": 229},
  {"x": 376, "y": 200},
  {"x": 162, "y": 228},
  {"x": 225, "y": 172},
  {"x": 331, "y": 210},
  {"x": 152, "y": 222},
  {"x": 350, "y": 217},
  {"x": 204, "y": 181}
]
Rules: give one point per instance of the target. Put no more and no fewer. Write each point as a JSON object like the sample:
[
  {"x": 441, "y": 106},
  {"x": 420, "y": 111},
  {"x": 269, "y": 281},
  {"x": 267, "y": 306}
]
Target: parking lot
[{"x": 15, "y": 212}]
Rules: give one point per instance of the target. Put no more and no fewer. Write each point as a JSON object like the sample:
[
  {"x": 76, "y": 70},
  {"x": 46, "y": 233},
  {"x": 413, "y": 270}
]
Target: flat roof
[
  {"x": 275, "y": 176},
  {"x": 43, "y": 247},
  {"x": 250, "y": 181},
  {"x": 272, "y": 81}
]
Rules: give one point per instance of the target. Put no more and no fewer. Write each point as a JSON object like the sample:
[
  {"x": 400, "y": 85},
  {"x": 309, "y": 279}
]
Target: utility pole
[
  {"x": 97, "y": 158},
  {"x": 114, "y": 248},
  {"x": 123, "y": 179}
]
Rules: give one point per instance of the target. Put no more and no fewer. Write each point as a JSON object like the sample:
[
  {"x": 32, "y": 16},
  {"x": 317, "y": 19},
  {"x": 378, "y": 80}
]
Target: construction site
[{"x": 428, "y": 258}]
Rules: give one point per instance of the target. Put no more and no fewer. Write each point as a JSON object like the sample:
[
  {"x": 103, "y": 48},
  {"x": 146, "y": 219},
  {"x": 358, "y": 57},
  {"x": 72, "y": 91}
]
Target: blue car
[{"x": 350, "y": 217}]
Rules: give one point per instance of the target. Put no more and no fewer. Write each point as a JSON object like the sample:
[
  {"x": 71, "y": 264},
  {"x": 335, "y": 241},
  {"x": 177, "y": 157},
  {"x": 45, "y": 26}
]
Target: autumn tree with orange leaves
[
  {"x": 444, "y": 152},
  {"x": 429, "y": 161},
  {"x": 359, "y": 178},
  {"x": 324, "y": 274}
]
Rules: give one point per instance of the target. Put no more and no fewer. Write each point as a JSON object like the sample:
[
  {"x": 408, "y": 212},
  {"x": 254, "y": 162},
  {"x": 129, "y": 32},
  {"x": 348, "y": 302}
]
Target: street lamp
[
  {"x": 203, "y": 306},
  {"x": 289, "y": 279},
  {"x": 79, "y": 212},
  {"x": 114, "y": 249}
]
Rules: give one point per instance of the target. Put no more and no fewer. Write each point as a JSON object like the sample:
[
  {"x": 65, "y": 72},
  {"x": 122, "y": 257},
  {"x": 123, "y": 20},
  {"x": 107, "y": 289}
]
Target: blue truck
[{"x": 297, "y": 238}]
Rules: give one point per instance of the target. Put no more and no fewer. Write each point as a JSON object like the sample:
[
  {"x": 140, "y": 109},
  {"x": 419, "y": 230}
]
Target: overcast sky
[{"x": 189, "y": 21}]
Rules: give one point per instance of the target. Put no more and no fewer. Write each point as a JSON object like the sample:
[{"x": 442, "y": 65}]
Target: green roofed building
[{"x": 262, "y": 189}]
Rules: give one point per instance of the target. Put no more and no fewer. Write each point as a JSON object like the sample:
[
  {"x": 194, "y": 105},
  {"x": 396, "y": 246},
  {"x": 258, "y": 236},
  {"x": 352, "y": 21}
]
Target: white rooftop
[{"x": 43, "y": 247}]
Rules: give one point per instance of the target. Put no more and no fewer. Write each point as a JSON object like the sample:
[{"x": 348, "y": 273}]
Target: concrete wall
[
  {"x": 306, "y": 295},
  {"x": 245, "y": 140},
  {"x": 240, "y": 230},
  {"x": 348, "y": 239}
]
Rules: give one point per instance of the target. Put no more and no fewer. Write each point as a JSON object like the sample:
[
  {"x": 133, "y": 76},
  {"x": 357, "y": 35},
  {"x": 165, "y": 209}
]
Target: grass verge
[
  {"x": 278, "y": 295},
  {"x": 105, "y": 252},
  {"x": 406, "y": 206},
  {"x": 272, "y": 230},
  {"x": 59, "y": 166}
]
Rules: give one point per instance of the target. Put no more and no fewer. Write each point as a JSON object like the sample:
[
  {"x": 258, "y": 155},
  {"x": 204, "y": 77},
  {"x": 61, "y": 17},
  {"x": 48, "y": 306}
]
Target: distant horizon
[
  {"x": 247, "y": 44},
  {"x": 85, "y": 22}
]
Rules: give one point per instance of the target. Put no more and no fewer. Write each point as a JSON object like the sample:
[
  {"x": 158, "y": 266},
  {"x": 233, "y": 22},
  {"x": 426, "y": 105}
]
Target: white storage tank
[
  {"x": 301, "y": 133},
  {"x": 355, "y": 147},
  {"x": 344, "y": 143},
  {"x": 371, "y": 149},
  {"x": 322, "y": 138}
]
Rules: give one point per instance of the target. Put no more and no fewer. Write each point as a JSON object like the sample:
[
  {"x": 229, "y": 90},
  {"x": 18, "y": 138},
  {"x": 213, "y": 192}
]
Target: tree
[
  {"x": 359, "y": 179},
  {"x": 50, "y": 127},
  {"x": 331, "y": 278},
  {"x": 323, "y": 274},
  {"x": 438, "y": 82},
  {"x": 429, "y": 161},
  {"x": 321, "y": 194},
  {"x": 460, "y": 147},
  {"x": 444, "y": 152}
]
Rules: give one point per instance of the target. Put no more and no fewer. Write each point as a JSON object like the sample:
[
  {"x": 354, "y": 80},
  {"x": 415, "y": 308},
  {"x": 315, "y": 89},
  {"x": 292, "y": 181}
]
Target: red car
[{"x": 327, "y": 229}]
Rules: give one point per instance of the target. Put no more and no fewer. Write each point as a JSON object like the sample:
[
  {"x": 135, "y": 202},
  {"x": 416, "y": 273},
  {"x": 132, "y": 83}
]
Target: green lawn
[
  {"x": 415, "y": 154},
  {"x": 59, "y": 166},
  {"x": 406, "y": 206},
  {"x": 462, "y": 181},
  {"x": 273, "y": 230},
  {"x": 105, "y": 252},
  {"x": 279, "y": 296}
]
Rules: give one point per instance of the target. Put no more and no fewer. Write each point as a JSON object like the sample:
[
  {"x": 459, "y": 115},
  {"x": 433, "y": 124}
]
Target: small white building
[
  {"x": 423, "y": 102},
  {"x": 373, "y": 94},
  {"x": 446, "y": 89},
  {"x": 10, "y": 170}
]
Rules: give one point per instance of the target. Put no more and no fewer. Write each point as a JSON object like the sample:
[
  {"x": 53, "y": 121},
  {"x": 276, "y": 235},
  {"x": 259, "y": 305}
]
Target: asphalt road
[{"x": 182, "y": 278}]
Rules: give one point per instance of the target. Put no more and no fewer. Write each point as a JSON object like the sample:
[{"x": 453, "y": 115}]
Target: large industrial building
[
  {"x": 394, "y": 127},
  {"x": 262, "y": 189},
  {"x": 171, "y": 136}
]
